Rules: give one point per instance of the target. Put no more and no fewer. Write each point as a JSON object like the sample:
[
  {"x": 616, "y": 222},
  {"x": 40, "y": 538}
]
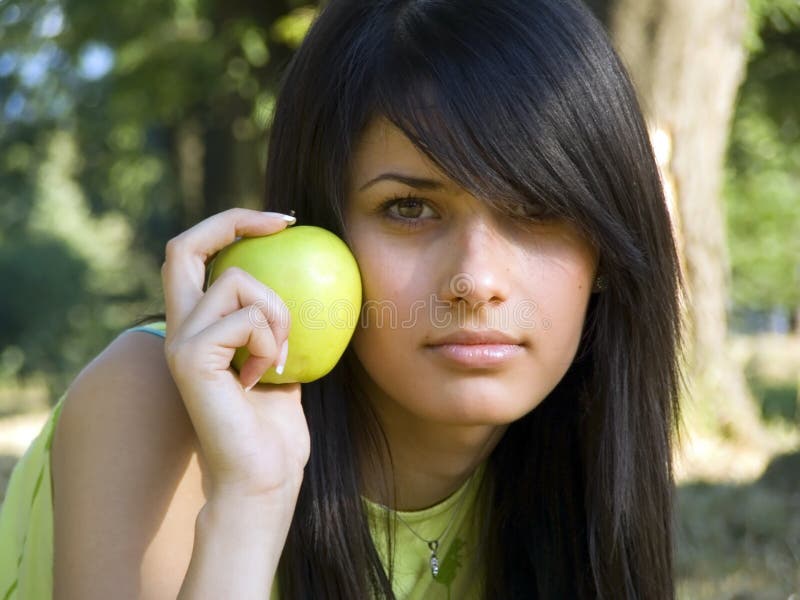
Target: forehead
[{"x": 383, "y": 147}]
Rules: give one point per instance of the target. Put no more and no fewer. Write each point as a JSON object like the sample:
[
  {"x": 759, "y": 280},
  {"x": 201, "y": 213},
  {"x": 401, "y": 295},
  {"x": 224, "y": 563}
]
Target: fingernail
[
  {"x": 250, "y": 387},
  {"x": 287, "y": 218},
  {"x": 282, "y": 357}
]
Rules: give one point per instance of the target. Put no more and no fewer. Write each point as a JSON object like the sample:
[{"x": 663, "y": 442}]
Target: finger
[
  {"x": 183, "y": 271},
  {"x": 233, "y": 290},
  {"x": 205, "y": 377},
  {"x": 236, "y": 331},
  {"x": 253, "y": 370},
  {"x": 219, "y": 341}
]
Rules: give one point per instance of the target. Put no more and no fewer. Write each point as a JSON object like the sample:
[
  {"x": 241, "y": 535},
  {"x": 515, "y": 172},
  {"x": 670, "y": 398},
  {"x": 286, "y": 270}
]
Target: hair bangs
[{"x": 502, "y": 136}]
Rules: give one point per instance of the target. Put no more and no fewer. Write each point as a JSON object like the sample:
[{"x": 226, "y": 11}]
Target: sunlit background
[{"x": 121, "y": 125}]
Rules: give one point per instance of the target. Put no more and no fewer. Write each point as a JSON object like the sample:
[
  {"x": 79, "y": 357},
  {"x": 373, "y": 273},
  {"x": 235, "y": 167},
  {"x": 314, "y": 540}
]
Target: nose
[{"x": 479, "y": 266}]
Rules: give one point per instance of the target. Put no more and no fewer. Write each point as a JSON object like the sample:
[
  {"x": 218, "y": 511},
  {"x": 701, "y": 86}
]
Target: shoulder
[
  {"x": 127, "y": 385},
  {"x": 126, "y": 479}
]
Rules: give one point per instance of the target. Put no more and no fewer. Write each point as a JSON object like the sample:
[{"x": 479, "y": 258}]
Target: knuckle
[
  {"x": 258, "y": 315},
  {"x": 173, "y": 247},
  {"x": 242, "y": 278},
  {"x": 263, "y": 343},
  {"x": 234, "y": 275},
  {"x": 176, "y": 355},
  {"x": 234, "y": 212}
]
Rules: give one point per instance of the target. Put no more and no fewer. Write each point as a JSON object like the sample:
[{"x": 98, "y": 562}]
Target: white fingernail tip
[
  {"x": 250, "y": 387},
  {"x": 282, "y": 358},
  {"x": 287, "y": 218}
]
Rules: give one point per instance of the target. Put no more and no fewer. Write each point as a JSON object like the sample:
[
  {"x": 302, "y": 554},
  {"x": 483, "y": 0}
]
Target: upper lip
[{"x": 474, "y": 337}]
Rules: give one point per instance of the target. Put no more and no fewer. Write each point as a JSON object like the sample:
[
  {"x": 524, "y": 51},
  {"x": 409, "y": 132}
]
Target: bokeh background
[{"x": 122, "y": 125}]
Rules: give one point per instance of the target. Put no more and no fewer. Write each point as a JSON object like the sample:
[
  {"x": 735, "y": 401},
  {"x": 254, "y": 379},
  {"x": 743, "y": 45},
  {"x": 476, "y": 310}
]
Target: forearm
[{"x": 237, "y": 546}]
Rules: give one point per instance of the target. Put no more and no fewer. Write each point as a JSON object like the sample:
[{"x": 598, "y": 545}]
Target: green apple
[{"x": 317, "y": 277}]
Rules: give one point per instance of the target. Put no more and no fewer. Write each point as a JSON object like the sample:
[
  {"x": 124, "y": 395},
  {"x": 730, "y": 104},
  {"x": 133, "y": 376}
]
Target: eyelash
[
  {"x": 404, "y": 222},
  {"x": 532, "y": 214},
  {"x": 536, "y": 218}
]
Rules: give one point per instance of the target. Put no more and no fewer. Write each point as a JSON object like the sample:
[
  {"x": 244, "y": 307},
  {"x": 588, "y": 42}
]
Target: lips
[
  {"x": 476, "y": 349},
  {"x": 476, "y": 337}
]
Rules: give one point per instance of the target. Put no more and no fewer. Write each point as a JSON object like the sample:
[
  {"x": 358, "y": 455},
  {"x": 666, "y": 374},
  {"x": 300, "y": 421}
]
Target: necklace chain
[{"x": 433, "y": 544}]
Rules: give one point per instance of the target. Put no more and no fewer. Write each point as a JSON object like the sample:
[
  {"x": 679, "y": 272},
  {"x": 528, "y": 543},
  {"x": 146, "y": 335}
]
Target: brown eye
[
  {"x": 407, "y": 212},
  {"x": 410, "y": 208}
]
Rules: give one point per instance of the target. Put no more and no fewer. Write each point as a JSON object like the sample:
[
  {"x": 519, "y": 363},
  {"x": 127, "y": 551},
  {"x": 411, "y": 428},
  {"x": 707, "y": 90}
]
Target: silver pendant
[{"x": 434, "y": 559}]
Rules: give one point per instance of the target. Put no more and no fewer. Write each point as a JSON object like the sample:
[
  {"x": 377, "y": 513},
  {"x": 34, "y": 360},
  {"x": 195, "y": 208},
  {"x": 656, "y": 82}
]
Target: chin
[{"x": 474, "y": 410}]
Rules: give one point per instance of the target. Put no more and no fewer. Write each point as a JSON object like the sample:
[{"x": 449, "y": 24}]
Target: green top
[{"x": 26, "y": 532}]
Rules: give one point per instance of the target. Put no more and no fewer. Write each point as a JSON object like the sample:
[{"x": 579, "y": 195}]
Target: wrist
[
  {"x": 228, "y": 496},
  {"x": 238, "y": 544},
  {"x": 231, "y": 509}
]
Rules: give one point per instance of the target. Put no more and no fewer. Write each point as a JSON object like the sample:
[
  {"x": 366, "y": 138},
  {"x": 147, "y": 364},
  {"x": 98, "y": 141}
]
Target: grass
[
  {"x": 739, "y": 538},
  {"x": 738, "y": 508}
]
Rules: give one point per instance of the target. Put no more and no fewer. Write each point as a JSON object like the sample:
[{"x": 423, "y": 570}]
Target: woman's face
[{"x": 437, "y": 262}]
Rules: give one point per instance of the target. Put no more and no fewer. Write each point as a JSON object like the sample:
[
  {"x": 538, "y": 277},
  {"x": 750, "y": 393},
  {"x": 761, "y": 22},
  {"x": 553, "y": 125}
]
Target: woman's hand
[{"x": 256, "y": 442}]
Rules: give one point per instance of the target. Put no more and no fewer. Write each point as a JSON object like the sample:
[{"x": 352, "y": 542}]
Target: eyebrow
[{"x": 417, "y": 182}]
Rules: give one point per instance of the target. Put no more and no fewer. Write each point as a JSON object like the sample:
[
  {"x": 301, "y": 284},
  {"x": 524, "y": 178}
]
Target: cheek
[
  {"x": 563, "y": 305},
  {"x": 390, "y": 281},
  {"x": 386, "y": 347},
  {"x": 374, "y": 264},
  {"x": 389, "y": 296}
]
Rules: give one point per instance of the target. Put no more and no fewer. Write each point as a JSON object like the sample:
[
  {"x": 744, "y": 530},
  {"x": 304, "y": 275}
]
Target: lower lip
[{"x": 477, "y": 355}]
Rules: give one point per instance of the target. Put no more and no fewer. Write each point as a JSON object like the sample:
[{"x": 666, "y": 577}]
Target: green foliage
[
  {"x": 763, "y": 168},
  {"x": 292, "y": 28},
  {"x": 779, "y": 15},
  {"x": 121, "y": 128},
  {"x": 33, "y": 316}
]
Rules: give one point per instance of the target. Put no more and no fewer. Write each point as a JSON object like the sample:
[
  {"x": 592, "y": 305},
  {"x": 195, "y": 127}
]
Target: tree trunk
[
  {"x": 191, "y": 173},
  {"x": 687, "y": 60}
]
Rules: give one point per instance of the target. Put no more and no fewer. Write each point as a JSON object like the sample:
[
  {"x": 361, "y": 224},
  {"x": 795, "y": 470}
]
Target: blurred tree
[
  {"x": 121, "y": 128},
  {"x": 762, "y": 186},
  {"x": 687, "y": 60}
]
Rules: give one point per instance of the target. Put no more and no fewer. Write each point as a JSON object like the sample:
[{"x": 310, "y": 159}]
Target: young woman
[{"x": 506, "y": 435}]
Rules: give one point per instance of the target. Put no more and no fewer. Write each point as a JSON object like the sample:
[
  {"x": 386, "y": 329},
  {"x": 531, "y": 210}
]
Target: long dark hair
[{"x": 518, "y": 101}]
